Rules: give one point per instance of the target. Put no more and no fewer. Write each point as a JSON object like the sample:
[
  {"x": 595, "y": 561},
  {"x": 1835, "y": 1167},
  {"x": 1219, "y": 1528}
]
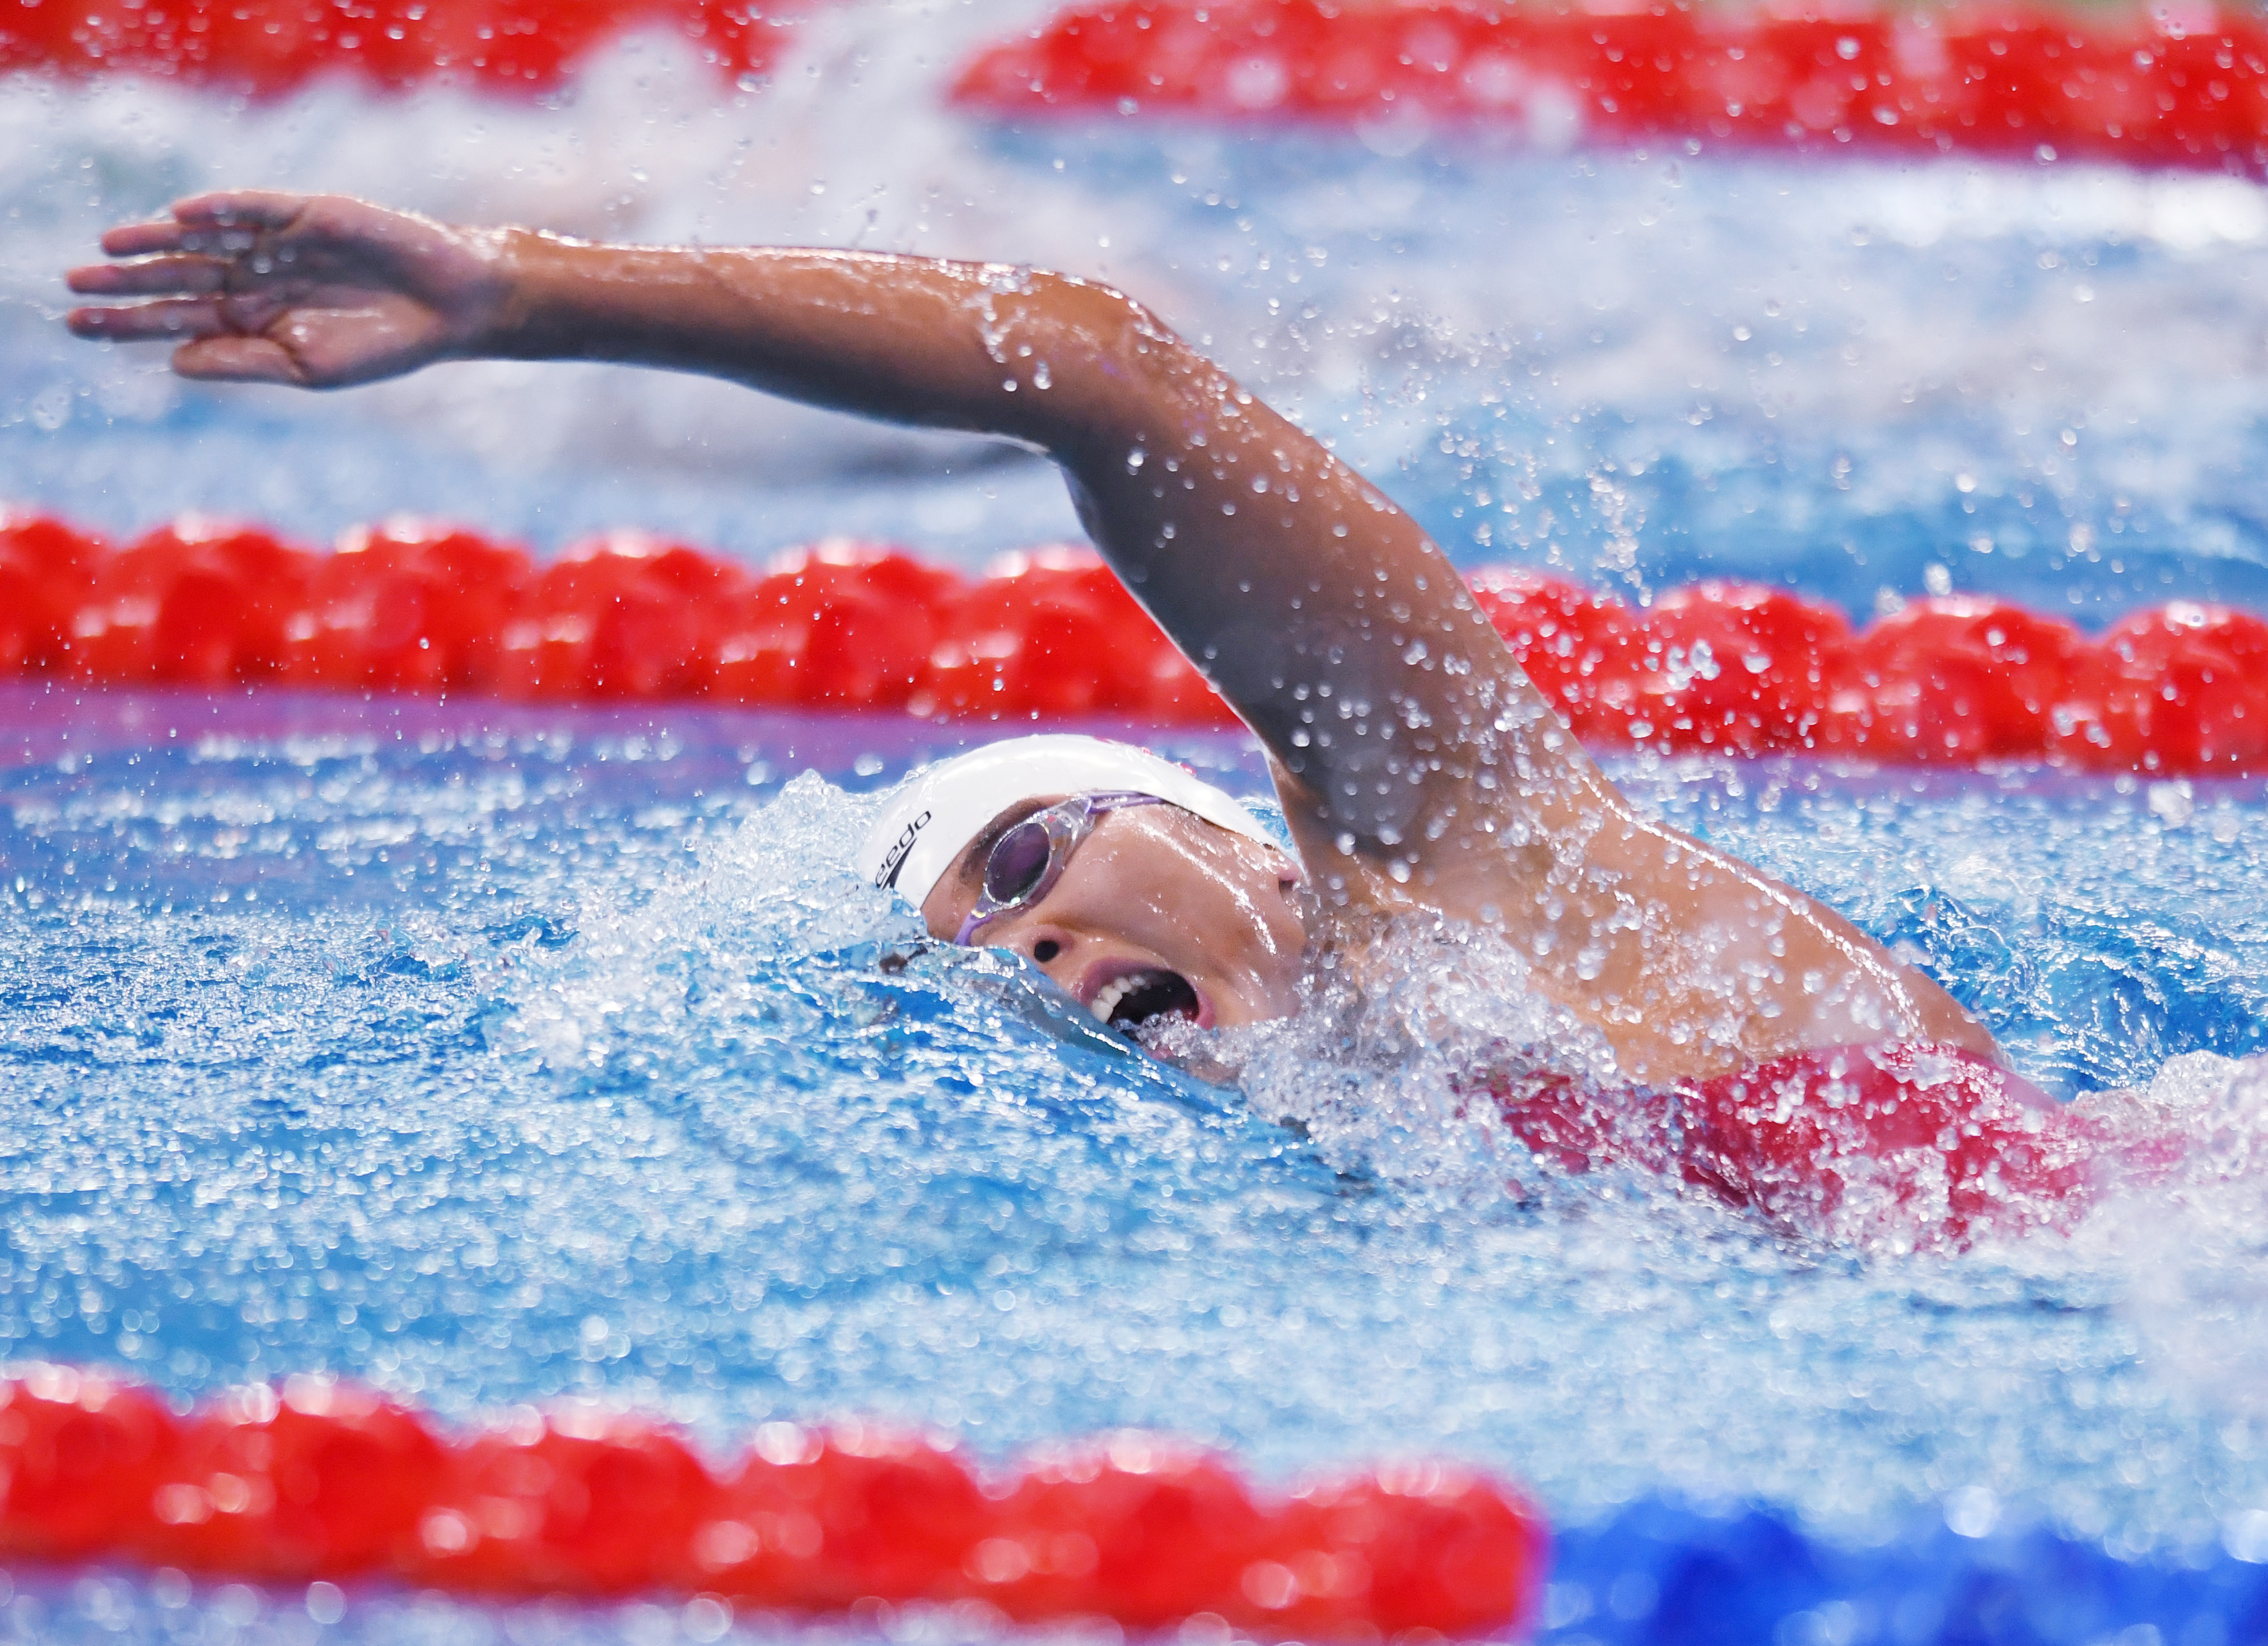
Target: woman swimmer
[{"x": 1420, "y": 772}]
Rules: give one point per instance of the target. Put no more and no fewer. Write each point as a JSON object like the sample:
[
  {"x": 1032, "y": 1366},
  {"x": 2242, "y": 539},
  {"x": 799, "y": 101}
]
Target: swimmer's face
[{"x": 1157, "y": 911}]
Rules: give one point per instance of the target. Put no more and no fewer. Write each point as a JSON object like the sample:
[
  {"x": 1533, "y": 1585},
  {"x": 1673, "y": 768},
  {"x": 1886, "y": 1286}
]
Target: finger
[
  {"x": 137, "y": 239},
  {"x": 185, "y": 275},
  {"x": 240, "y": 208},
  {"x": 229, "y": 220},
  {"x": 143, "y": 239},
  {"x": 175, "y": 318},
  {"x": 237, "y": 360}
]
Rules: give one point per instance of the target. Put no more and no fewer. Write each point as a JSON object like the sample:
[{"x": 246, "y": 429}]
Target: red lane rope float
[
  {"x": 2182, "y": 85},
  {"x": 268, "y": 48},
  {"x": 411, "y": 606},
  {"x": 320, "y": 1479},
  {"x": 2180, "y": 689}
]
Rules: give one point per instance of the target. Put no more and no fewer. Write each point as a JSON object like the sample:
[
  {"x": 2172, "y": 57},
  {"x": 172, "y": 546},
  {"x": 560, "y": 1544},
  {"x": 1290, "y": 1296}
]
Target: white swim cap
[{"x": 939, "y": 809}]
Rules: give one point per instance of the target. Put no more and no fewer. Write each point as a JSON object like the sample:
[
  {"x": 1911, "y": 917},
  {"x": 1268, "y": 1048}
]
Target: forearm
[{"x": 983, "y": 347}]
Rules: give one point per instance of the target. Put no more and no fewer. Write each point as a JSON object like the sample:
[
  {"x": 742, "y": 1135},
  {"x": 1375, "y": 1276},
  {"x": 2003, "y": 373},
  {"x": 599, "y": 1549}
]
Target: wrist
[{"x": 521, "y": 279}]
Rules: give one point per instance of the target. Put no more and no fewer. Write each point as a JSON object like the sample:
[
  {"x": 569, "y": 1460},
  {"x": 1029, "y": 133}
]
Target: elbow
[
  {"x": 1104, "y": 318},
  {"x": 1109, "y": 369}
]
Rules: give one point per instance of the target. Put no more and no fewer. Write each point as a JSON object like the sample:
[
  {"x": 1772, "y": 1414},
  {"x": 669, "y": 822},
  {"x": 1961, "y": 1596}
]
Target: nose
[{"x": 1042, "y": 943}]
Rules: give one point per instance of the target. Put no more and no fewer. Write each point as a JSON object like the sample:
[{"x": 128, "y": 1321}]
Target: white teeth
[{"x": 1106, "y": 1002}]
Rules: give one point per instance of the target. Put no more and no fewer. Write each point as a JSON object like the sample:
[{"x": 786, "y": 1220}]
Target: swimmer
[
  {"x": 1780, "y": 1054},
  {"x": 1420, "y": 772},
  {"x": 1770, "y": 1053}
]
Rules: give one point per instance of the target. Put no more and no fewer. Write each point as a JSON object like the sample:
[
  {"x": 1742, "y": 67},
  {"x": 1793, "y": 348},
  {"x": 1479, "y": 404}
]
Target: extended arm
[
  {"x": 1419, "y": 767},
  {"x": 1407, "y": 735}
]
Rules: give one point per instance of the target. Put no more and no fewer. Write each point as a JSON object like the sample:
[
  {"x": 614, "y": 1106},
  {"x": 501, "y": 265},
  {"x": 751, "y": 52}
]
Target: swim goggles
[{"x": 1026, "y": 862}]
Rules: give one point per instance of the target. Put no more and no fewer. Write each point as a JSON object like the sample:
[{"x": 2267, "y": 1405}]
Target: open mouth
[{"x": 1139, "y": 997}]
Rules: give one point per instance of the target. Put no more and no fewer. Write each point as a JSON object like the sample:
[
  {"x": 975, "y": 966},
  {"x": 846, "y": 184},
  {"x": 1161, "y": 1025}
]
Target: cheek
[
  {"x": 942, "y": 914},
  {"x": 1252, "y": 899},
  {"x": 1202, "y": 903},
  {"x": 1286, "y": 923}
]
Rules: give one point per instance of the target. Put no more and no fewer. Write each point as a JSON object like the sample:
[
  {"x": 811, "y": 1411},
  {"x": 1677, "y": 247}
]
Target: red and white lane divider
[
  {"x": 270, "y": 48},
  {"x": 2179, "y": 83},
  {"x": 2183, "y": 84},
  {"x": 318, "y": 1480},
  {"x": 2180, "y": 689}
]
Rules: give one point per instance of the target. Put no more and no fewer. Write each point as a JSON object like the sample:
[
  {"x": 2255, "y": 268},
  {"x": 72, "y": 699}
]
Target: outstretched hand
[{"x": 316, "y": 290}]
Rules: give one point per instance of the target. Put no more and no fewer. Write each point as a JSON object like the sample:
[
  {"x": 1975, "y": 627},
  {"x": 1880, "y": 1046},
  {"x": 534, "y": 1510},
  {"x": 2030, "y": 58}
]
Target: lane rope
[
  {"x": 2180, "y": 84},
  {"x": 1719, "y": 667},
  {"x": 269, "y": 49},
  {"x": 2169, "y": 85},
  {"x": 316, "y": 1480}
]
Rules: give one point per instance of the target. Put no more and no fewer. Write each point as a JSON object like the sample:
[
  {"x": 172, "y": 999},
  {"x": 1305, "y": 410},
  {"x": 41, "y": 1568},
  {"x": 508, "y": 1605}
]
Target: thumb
[
  {"x": 334, "y": 348},
  {"x": 237, "y": 360}
]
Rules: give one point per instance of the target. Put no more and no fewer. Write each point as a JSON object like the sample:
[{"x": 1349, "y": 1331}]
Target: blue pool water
[
  {"x": 492, "y": 1054},
  {"x": 498, "y": 1054}
]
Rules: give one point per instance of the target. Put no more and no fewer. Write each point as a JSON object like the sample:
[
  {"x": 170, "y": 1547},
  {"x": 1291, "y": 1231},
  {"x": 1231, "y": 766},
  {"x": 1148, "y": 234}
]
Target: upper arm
[{"x": 1404, "y": 732}]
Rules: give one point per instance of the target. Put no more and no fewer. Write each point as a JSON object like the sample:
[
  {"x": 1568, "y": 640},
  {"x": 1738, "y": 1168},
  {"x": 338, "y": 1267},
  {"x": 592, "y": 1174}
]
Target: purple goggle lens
[{"x": 1026, "y": 862}]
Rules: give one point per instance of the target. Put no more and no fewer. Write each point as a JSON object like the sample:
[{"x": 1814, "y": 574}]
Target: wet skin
[
  {"x": 1421, "y": 773},
  {"x": 1152, "y": 890}
]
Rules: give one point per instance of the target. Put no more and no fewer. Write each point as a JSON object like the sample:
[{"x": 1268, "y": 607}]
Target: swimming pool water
[{"x": 493, "y": 1054}]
